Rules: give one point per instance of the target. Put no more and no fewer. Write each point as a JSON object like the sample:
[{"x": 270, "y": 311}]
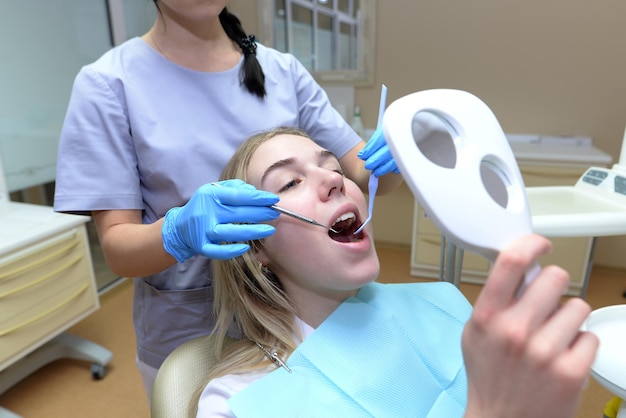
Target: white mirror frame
[{"x": 364, "y": 75}]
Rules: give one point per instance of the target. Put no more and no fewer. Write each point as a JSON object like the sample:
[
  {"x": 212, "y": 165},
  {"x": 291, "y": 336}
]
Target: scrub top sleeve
[
  {"x": 97, "y": 163},
  {"x": 318, "y": 117}
]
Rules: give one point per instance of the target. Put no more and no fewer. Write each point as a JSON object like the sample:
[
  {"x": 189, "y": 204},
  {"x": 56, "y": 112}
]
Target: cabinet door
[{"x": 426, "y": 253}]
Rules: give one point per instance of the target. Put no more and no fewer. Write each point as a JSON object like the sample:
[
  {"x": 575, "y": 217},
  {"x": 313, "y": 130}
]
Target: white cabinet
[
  {"x": 43, "y": 288},
  {"x": 47, "y": 285},
  {"x": 540, "y": 166}
]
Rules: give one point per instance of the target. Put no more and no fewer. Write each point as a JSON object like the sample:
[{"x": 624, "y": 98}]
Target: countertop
[{"x": 23, "y": 224}]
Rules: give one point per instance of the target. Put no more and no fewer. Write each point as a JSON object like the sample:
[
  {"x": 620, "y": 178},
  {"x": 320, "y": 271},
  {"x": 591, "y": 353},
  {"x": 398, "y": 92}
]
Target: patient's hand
[{"x": 526, "y": 357}]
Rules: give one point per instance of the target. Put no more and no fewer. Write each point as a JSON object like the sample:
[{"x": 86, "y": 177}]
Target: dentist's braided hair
[{"x": 251, "y": 75}]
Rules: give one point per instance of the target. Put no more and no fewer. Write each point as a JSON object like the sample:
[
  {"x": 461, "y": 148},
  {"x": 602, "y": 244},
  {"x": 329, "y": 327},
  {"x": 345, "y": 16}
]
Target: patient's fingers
[
  {"x": 563, "y": 328},
  {"x": 582, "y": 353},
  {"x": 541, "y": 298},
  {"x": 508, "y": 272}
]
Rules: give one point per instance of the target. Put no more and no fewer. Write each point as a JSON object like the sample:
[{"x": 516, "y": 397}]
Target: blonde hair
[{"x": 248, "y": 295}]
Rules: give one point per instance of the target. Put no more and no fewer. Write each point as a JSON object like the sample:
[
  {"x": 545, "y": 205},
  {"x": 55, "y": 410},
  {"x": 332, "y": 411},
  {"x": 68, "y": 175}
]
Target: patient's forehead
[
  {"x": 280, "y": 148},
  {"x": 283, "y": 145}
]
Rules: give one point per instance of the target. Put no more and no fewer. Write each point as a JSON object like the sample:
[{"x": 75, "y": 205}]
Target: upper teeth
[{"x": 345, "y": 217}]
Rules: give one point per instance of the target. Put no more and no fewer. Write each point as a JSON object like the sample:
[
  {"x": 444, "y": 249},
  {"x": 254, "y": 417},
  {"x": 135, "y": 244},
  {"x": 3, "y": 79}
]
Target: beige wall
[
  {"x": 553, "y": 67},
  {"x": 548, "y": 67}
]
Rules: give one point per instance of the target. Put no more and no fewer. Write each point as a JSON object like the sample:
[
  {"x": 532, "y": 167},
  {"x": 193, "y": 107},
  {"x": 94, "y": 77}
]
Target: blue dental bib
[{"x": 394, "y": 350}]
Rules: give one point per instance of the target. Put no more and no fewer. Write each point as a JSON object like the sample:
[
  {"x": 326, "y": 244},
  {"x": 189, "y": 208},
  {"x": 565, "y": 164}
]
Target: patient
[{"x": 321, "y": 338}]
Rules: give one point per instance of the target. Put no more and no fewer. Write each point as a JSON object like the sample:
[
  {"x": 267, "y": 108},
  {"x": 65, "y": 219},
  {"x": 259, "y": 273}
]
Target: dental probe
[
  {"x": 301, "y": 217},
  {"x": 293, "y": 215}
]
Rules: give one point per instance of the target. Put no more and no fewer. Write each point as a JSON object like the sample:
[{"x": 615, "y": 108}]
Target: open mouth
[{"x": 346, "y": 224}]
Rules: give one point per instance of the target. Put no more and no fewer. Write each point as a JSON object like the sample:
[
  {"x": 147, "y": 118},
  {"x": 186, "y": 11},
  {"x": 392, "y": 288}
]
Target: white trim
[
  {"x": 4, "y": 191},
  {"x": 117, "y": 19},
  {"x": 265, "y": 14}
]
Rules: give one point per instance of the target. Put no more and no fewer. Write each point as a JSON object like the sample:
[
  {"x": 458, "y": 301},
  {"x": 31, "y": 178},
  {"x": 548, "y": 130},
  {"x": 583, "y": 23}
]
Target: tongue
[{"x": 346, "y": 232}]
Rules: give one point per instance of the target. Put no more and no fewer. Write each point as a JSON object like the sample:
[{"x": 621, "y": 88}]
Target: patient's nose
[{"x": 331, "y": 183}]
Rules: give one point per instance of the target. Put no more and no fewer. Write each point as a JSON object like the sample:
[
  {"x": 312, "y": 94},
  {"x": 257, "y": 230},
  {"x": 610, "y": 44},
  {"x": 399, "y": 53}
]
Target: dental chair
[{"x": 181, "y": 375}]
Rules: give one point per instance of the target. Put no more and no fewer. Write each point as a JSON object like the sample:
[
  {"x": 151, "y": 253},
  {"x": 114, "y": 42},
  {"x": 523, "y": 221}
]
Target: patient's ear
[{"x": 260, "y": 255}]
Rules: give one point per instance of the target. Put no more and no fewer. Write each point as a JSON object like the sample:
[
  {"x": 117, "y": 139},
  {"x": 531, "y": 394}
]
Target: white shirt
[{"x": 213, "y": 402}]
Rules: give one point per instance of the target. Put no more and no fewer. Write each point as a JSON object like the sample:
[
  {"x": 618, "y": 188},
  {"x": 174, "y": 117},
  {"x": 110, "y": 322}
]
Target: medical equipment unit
[
  {"x": 456, "y": 160},
  {"x": 594, "y": 206},
  {"x": 47, "y": 284}
]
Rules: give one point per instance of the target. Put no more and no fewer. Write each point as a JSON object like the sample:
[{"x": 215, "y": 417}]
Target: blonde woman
[
  {"x": 321, "y": 338},
  {"x": 151, "y": 123}
]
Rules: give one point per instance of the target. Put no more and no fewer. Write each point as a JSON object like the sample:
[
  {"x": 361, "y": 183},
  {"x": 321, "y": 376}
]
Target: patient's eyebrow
[
  {"x": 278, "y": 164},
  {"x": 323, "y": 156}
]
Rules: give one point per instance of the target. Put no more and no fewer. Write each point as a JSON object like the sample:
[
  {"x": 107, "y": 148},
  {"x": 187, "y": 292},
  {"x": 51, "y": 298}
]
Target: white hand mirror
[{"x": 457, "y": 161}]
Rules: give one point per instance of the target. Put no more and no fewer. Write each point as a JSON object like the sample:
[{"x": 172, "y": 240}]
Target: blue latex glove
[
  {"x": 224, "y": 212},
  {"x": 377, "y": 155}
]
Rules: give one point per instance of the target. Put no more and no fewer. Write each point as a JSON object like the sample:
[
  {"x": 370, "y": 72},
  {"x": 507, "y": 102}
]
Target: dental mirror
[{"x": 457, "y": 161}]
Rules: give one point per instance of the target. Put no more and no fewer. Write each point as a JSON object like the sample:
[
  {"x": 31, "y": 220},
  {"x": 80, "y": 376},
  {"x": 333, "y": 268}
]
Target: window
[
  {"x": 44, "y": 45},
  {"x": 334, "y": 39}
]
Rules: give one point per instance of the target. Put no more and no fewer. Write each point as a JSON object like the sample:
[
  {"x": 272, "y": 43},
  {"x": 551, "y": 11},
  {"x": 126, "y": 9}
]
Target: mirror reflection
[
  {"x": 434, "y": 137},
  {"x": 495, "y": 182}
]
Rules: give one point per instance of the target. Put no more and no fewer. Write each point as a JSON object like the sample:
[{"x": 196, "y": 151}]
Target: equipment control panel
[{"x": 604, "y": 181}]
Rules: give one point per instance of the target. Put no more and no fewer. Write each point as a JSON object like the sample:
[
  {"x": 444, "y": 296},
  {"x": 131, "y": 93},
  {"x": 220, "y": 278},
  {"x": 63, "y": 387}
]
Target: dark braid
[{"x": 251, "y": 73}]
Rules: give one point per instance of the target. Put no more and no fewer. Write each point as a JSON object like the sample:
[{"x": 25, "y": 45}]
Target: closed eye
[{"x": 293, "y": 183}]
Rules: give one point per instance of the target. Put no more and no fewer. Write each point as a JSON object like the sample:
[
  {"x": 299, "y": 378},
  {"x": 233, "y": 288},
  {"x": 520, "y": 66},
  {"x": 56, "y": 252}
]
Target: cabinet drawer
[
  {"x": 34, "y": 265},
  {"x": 572, "y": 254},
  {"x": 44, "y": 289},
  {"x": 427, "y": 252},
  {"x": 426, "y": 226}
]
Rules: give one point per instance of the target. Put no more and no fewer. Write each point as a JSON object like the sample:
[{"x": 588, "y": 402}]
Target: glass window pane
[
  {"x": 347, "y": 47},
  {"x": 343, "y": 6},
  {"x": 356, "y": 6},
  {"x": 280, "y": 26},
  {"x": 325, "y": 43},
  {"x": 302, "y": 35},
  {"x": 36, "y": 78}
]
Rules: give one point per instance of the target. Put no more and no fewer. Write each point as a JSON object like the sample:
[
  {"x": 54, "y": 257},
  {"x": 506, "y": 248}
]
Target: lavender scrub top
[{"x": 142, "y": 132}]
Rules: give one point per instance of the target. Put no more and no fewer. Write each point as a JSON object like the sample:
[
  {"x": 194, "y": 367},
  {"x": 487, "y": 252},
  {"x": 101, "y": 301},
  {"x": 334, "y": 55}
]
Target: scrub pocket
[{"x": 164, "y": 319}]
